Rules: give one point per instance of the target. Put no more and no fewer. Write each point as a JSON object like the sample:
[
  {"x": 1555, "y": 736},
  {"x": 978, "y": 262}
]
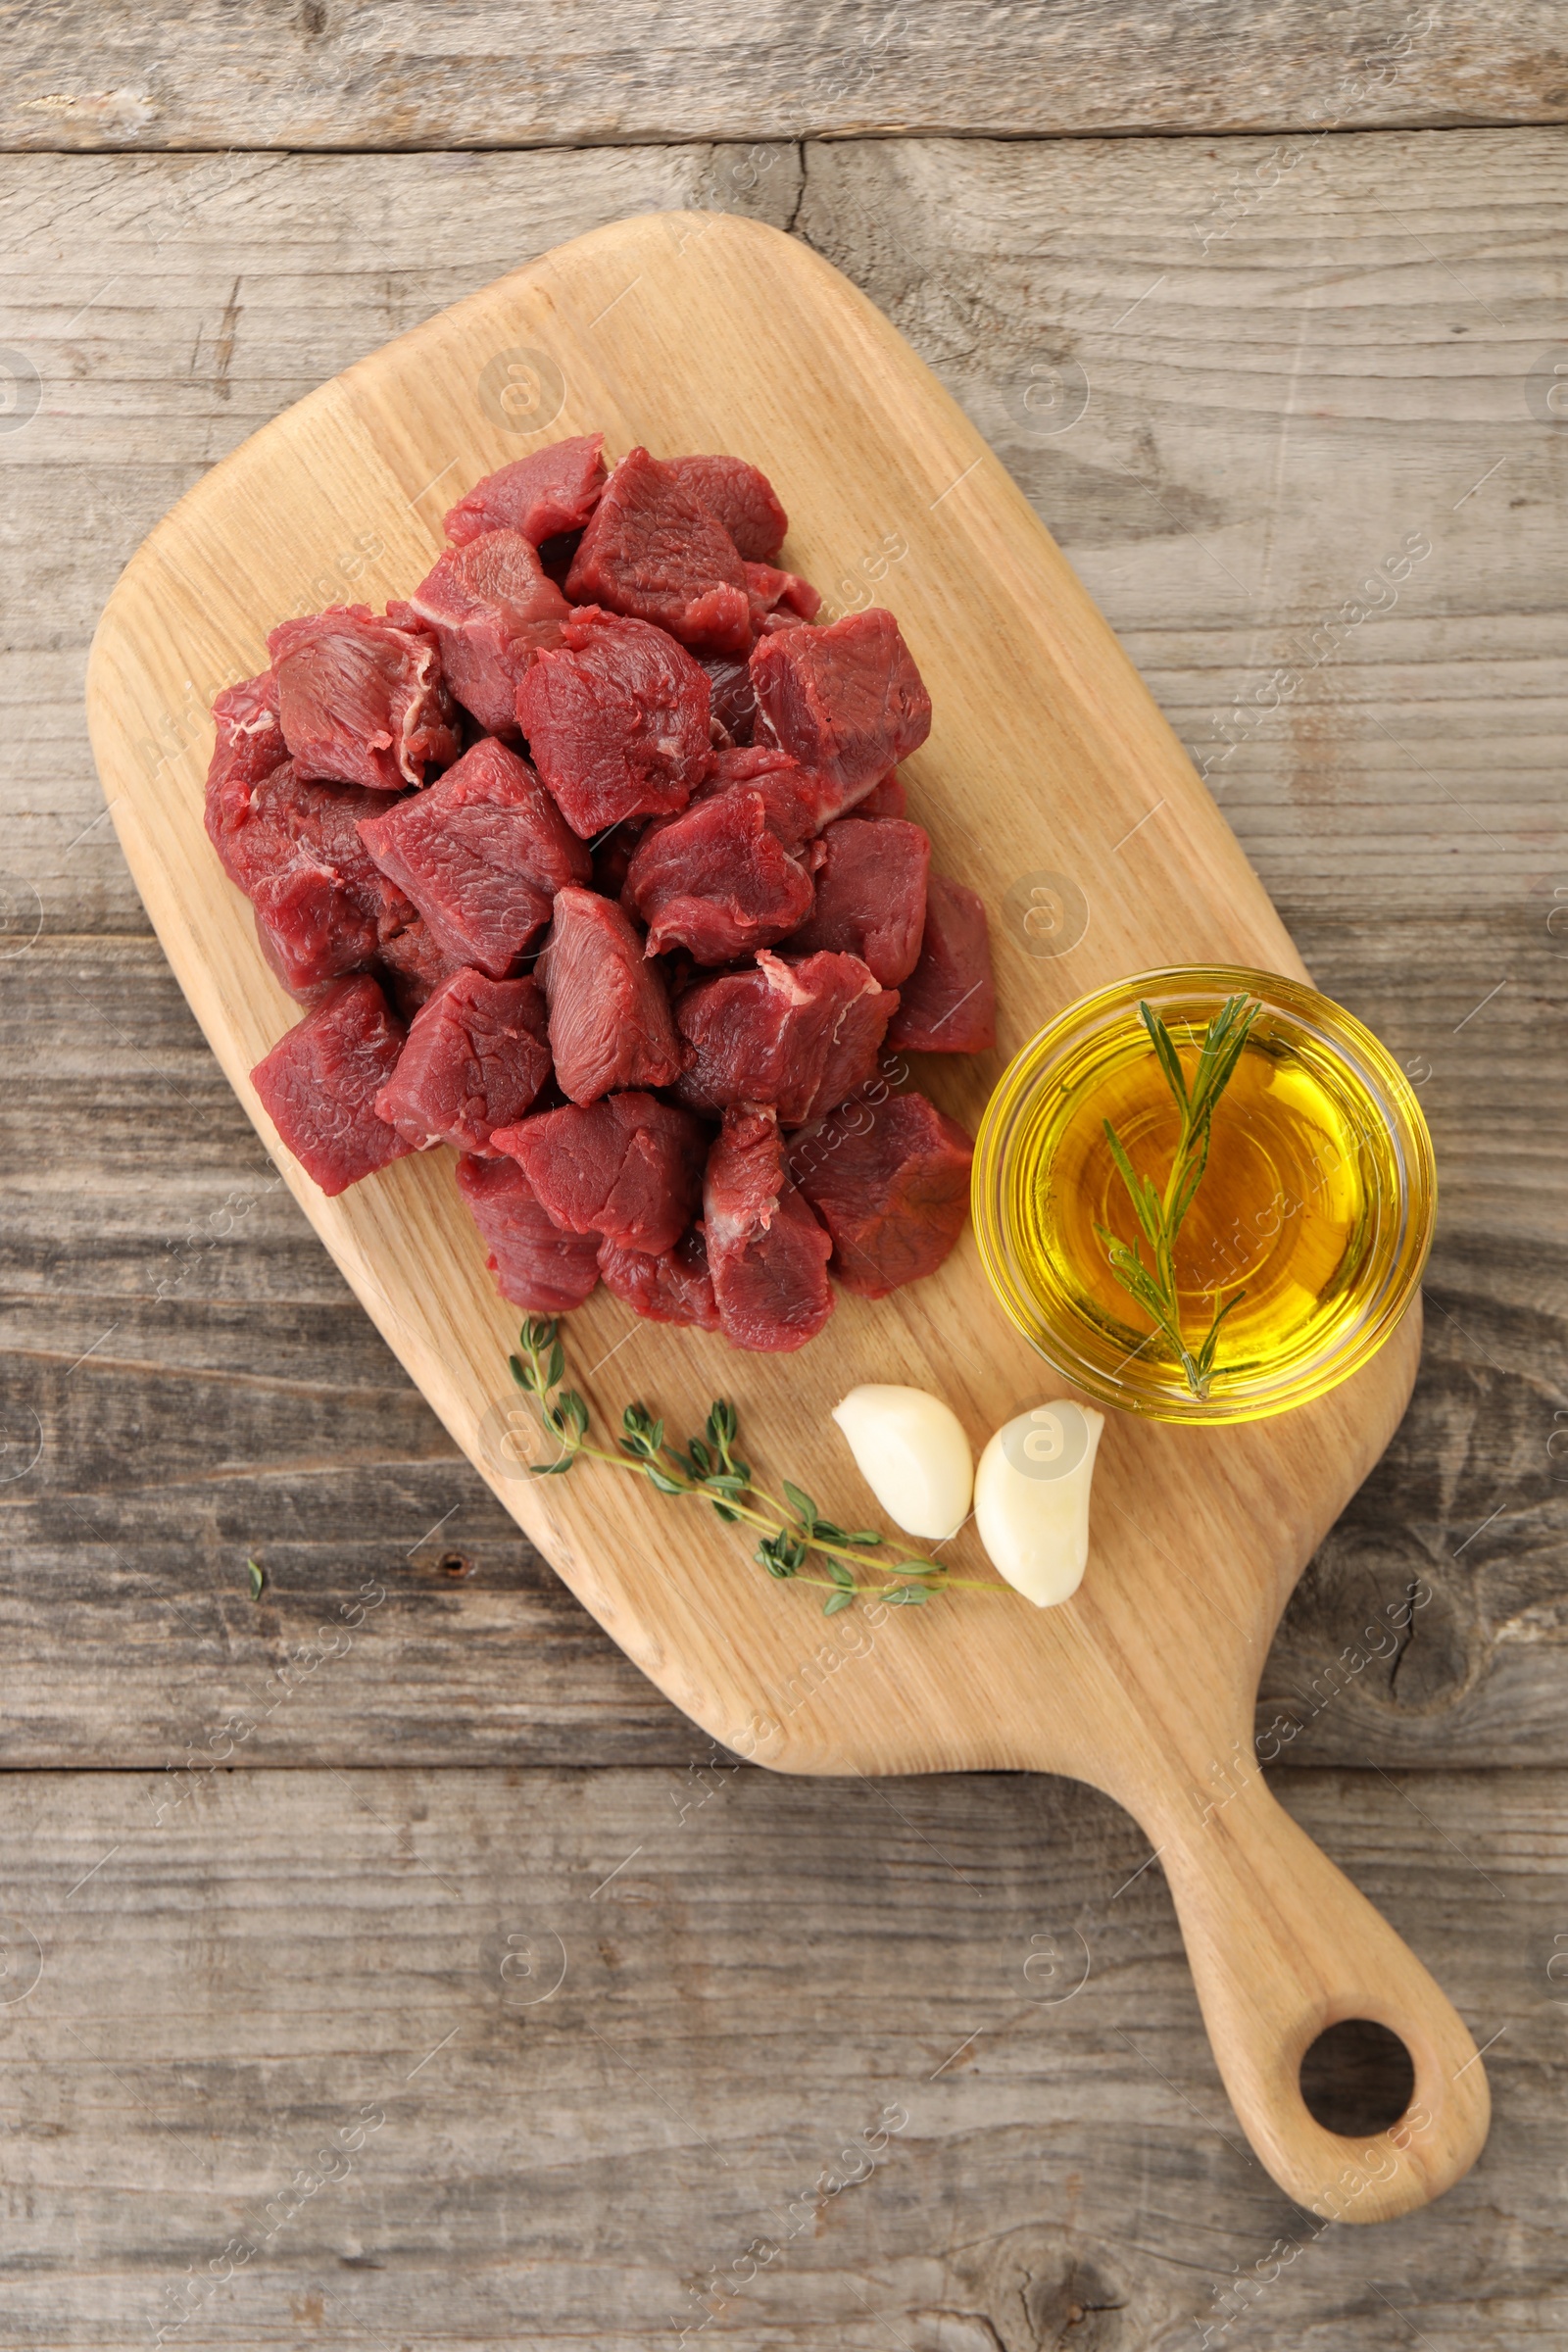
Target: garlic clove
[
  {"x": 1031, "y": 1498},
  {"x": 911, "y": 1451}
]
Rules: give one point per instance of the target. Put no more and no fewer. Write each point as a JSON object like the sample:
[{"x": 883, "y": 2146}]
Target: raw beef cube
[
  {"x": 779, "y": 599},
  {"x": 870, "y": 896},
  {"x": 717, "y": 880},
  {"x": 845, "y": 701},
  {"x": 542, "y": 495},
  {"x": 537, "y": 1265},
  {"x": 482, "y": 854},
  {"x": 734, "y": 703},
  {"x": 674, "y": 1286},
  {"x": 284, "y": 823},
  {"x": 413, "y": 966},
  {"x": 319, "y": 1083},
  {"x": 655, "y": 552},
  {"x": 310, "y": 930},
  {"x": 892, "y": 1187},
  {"x": 742, "y": 498},
  {"x": 361, "y": 701},
  {"x": 616, "y": 721},
  {"x": 629, "y": 1168},
  {"x": 948, "y": 1003},
  {"x": 767, "y": 1253},
  {"x": 799, "y": 1037},
  {"x": 250, "y": 745},
  {"x": 492, "y": 608},
  {"x": 610, "y": 1018},
  {"x": 887, "y": 799},
  {"x": 280, "y": 964},
  {"x": 793, "y": 798},
  {"x": 322, "y": 906},
  {"x": 475, "y": 1058}
]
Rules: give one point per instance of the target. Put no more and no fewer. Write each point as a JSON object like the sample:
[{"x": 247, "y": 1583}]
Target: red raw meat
[
  {"x": 492, "y": 609},
  {"x": 537, "y": 1265},
  {"x": 629, "y": 1168},
  {"x": 610, "y": 1019},
  {"x": 413, "y": 966},
  {"x": 319, "y": 1083},
  {"x": 871, "y": 894},
  {"x": 792, "y": 796},
  {"x": 674, "y": 1287},
  {"x": 554, "y": 490},
  {"x": 361, "y": 701},
  {"x": 891, "y": 1185},
  {"x": 280, "y": 964},
  {"x": 310, "y": 931},
  {"x": 250, "y": 745},
  {"x": 482, "y": 854},
  {"x": 887, "y": 799},
  {"x": 767, "y": 1253},
  {"x": 717, "y": 880},
  {"x": 779, "y": 599},
  {"x": 323, "y": 907},
  {"x": 734, "y": 703},
  {"x": 655, "y": 552},
  {"x": 475, "y": 1060},
  {"x": 742, "y": 498},
  {"x": 948, "y": 1003},
  {"x": 799, "y": 1037},
  {"x": 616, "y": 719},
  {"x": 846, "y": 701}
]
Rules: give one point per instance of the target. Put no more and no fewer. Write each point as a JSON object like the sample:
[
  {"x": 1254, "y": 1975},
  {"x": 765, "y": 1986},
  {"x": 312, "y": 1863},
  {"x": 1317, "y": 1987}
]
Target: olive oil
[{"x": 1305, "y": 1207}]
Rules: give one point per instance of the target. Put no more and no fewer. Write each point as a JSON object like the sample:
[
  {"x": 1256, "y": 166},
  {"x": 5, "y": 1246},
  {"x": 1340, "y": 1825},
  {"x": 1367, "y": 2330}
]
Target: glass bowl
[{"x": 1311, "y": 1223}]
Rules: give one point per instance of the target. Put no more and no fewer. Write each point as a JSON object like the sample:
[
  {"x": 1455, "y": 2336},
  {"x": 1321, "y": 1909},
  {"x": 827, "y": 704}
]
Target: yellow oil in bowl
[{"x": 1311, "y": 1224}]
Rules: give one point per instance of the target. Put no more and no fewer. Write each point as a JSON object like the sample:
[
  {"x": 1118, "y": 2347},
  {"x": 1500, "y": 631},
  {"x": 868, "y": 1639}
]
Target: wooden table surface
[{"x": 468, "y": 1985}]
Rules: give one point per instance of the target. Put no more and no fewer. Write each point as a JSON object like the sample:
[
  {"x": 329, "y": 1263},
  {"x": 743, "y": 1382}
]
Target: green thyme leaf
[
  {"x": 838, "y": 1600},
  {"x": 258, "y": 1577},
  {"x": 799, "y": 1503}
]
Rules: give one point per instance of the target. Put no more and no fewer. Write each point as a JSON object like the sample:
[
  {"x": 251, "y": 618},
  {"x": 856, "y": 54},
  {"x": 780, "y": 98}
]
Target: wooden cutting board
[{"x": 1049, "y": 772}]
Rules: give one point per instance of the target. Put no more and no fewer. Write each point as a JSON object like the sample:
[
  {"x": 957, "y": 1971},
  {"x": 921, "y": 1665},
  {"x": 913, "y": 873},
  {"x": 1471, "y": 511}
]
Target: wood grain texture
[
  {"x": 758, "y": 1974},
  {"x": 125, "y": 1142},
  {"x": 1150, "y": 1669},
  {"x": 353, "y": 74}
]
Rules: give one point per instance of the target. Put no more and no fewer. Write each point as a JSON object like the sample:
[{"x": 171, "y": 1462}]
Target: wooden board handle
[{"x": 1281, "y": 1946}]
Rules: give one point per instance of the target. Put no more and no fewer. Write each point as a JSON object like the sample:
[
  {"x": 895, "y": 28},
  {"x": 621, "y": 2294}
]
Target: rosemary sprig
[
  {"x": 794, "y": 1535},
  {"x": 1160, "y": 1213}
]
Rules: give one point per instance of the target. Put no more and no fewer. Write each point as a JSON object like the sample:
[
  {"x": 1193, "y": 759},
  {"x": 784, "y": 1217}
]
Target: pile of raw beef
[{"x": 590, "y": 862}]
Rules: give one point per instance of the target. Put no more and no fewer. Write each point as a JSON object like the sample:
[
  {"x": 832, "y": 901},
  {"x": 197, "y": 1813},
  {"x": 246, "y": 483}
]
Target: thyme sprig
[
  {"x": 1160, "y": 1213},
  {"x": 795, "y": 1537}
]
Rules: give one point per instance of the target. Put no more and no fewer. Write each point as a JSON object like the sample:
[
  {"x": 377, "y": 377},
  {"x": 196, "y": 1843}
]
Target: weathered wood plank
[
  {"x": 339, "y": 74},
  {"x": 585, "y": 2053},
  {"x": 1282, "y": 407}
]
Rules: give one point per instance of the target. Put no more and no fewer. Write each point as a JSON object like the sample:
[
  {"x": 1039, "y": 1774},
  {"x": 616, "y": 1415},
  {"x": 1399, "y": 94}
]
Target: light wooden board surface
[
  {"x": 464, "y": 73},
  {"x": 755, "y": 1969}
]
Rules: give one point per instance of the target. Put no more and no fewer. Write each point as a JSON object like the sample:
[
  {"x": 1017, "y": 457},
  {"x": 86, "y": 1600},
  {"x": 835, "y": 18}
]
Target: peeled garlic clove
[
  {"x": 1031, "y": 1498},
  {"x": 910, "y": 1449}
]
